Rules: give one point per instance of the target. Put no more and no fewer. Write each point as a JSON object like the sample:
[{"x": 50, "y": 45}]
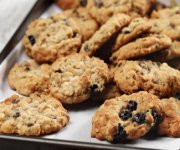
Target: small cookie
[
  {"x": 137, "y": 27},
  {"x": 166, "y": 55},
  {"x": 141, "y": 47},
  {"x": 153, "y": 77},
  {"x": 48, "y": 39},
  {"x": 170, "y": 125},
  {"x": 32, "y": 116},
  {"x": 76, "y": 77},
  {"x": 29, "y": 77},
  {"x": 168, "y": 26},
  {"x": 115, "y": 24},
  {"x": 85, "y": 22},
  {"x": 127, "y": 117},
  {"x": 166, "y": 13}
]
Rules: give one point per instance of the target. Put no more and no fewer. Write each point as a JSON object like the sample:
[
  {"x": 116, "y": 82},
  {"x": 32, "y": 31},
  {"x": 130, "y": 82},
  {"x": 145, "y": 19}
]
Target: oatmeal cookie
[
  {"x": 86, "y": 23},
  {"x": 136, "y": 28},
  {"x": 166, "y": 55},
  {"x": 170, "y": 125},
  {"x": 76, "y": 77},
  {"x": 168, "y": 26},
  {"x": 153, "y": 77},
  {"x": 141, "y": 47},
  {"x": 127, "y": 117},
  {"x": 115, "y": 24},
  {"x": 29, "y": 77},
  {"x": 32, "y": 116},
  {"x": 48, "y": 39}
]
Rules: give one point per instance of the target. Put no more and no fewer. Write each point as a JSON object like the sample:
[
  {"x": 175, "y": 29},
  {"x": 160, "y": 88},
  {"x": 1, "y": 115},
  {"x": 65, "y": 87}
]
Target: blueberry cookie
[
  {"x": 166, "y": 13},
  {"x": 86, "y": 23},
  {"x": 170, "y": 125},
  {"x": 141, "y": 47},
  {"x": 168, "y": 26},
  {"x": 29, "y": 77},
  {"x": 76, "y": 77},
  {"x": 48, "y": 39},
  {"x": 136, "y": 28},
  {"x": 32, "y": 116},
  {"x": 169, "y": 54},
  {"x": 112, "y": 26},
  {"x": 127, "y": 117},
  {"x": 153, "y": 77}
]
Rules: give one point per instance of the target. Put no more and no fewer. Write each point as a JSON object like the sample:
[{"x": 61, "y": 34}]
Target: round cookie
[
  {"x": 127, "y": 117},
  {"x": 153, "y": 77},
  {"x": 48, "y": 39},
  {"x": 112, "y": 26},
  {"x": 29, "y": 77},
  {"x": 170, "y": 125},
  {"x": 141, "y": 47},
  {"x": 76, "y": 77},
  {"x": 136, "y": 28},
  {"x": 32, "y": 116},
  {"x": 85, "y": 22}
]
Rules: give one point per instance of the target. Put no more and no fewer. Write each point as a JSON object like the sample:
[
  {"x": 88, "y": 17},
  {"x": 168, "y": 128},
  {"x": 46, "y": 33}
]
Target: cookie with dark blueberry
[{"x": 127, "y": 117}]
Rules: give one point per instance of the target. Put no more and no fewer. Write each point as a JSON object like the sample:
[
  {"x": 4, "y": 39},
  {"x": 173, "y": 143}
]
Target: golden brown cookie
[
  {"x": 112, "y": 26},
  {"x": 153, "y": 77},
  {"x": 170, "y": 125},
  {"x": 141, "y": 47},
  {"x": 76, "y": 77},
  {"x": 48, "y": 39},
  {"x": 127, "y": 117},
  {"x": 32, "y": 116}
]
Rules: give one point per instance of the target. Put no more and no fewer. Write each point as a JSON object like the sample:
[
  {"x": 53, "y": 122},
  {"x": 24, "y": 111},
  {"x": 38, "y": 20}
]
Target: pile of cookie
[{"x": 114, "y": 51}]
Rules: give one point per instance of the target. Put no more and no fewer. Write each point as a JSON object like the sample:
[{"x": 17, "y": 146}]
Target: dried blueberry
[
  {"x": 140, "y": 118},
  {"x": 32, "y": 39},
  {"x": 121, "y": 135},
  {"x": 74, "y": 34},
  {"x": 15, "y": 101},
  {"x": 94, "y": 89},
  {"x": 16, "y": 114},
  {"x": 126, "y": 114},
  {"x": 132, "y": 105},
  {"x": 98, "y": 3},
  {"x": 156, "y": 117},
  {"x": 83, "y": 3},
  {"x": 29, "y": 124}
]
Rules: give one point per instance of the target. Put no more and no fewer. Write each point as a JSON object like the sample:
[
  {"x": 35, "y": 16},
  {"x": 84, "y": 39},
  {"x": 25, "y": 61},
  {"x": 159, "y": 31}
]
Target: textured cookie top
[
  {"x": 77, "y": 76},
  {"x": 126, "y": 117},
  {"x": 85, "y": 22},
  {"x": 29, "y": 77},
  {"x": 137, "y": 27},
  {"x": 141, "y": 47},
  {"x": 170, "y": 124},
  {"x": 48, "y": 39},
  {"x": 112, "y": 26},
  {"x": 156, "y": 78},
  {"x": 32, "y": 116}
]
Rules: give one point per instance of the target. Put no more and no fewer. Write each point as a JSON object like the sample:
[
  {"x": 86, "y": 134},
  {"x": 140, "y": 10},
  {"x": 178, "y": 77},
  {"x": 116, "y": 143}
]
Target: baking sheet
[{"x": 79, "y": 126}]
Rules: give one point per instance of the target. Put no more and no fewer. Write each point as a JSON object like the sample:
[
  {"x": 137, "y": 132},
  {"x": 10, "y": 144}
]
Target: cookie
[
  {"x": 32, "y": 116},
  {"x": 170, "y": 125},
  {"x": 153, "y": 77},
  {"x": 48, "y": 39},
  {"x": 76, "y": 77},
  {"x": 166, "y": 13},
  {"x": 29, "y": 77},
  {"x": 127, "y": 117},
  {"x": 115, "y": 24},
  {"x": 141, "y": 47},
  {"x": 103, "y": 10},
  {"x": 85, "y": 22},
  {"x": 168, "y": 26},
  {"x": 136, "y": 28},
  {"x": 166, "y": 55}
]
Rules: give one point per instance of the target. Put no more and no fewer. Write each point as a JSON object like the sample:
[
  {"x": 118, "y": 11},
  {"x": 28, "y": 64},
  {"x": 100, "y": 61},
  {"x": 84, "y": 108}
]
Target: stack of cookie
[{"x": 100, "y": 50}]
